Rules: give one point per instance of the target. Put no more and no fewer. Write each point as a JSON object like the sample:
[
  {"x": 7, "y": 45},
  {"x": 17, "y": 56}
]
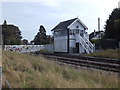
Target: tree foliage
[
  {"x": 11, "y": 34},
  {"x": 112, "y": 27},
  {"x": 41, "y": 38},
  {"x": 25, "y": 42}
]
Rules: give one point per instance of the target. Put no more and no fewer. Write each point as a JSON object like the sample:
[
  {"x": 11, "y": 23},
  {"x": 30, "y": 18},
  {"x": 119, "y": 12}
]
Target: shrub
[
  {"x": 42, "y": 51},
  {"x": 109, "y": 53}
]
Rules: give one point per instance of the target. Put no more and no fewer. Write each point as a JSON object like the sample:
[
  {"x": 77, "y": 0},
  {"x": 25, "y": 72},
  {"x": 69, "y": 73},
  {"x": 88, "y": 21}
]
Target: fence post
[{"x": 119, "y": 45}]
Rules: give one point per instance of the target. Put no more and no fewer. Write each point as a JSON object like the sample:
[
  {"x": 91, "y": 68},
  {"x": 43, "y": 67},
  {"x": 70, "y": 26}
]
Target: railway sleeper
[{"x": 103, "y": 66}]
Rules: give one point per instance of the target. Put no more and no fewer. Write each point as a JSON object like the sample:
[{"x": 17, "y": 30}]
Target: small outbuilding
[
  {"x": 71, "y": 37},
  {"x": 96, "y": 35}
]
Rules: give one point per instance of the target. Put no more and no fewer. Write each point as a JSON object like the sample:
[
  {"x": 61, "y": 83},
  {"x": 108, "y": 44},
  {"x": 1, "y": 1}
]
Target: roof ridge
[
  {"x": 66, "y": 23},
  {"x": 69, "y": 20}
]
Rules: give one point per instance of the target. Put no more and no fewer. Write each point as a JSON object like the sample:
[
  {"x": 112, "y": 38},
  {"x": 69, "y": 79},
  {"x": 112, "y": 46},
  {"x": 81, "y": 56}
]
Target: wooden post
[
  {"x": 119, "y": 46},
  {"x": 1, "y": 45},
  {"x": 1, "y": 42}
]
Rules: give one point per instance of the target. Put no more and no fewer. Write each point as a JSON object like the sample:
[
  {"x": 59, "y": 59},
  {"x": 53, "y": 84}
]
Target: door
[{"x": 77, "y": 47}]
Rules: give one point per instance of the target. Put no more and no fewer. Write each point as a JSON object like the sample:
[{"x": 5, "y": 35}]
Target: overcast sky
[{"x": 28, "y": 16}]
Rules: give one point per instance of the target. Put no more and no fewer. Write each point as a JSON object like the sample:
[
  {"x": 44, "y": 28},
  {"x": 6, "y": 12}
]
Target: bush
[
  {"x": 109, "y": 53},
  {"x": 94, "y": 41},
  {"x": 42, "y": 51}
]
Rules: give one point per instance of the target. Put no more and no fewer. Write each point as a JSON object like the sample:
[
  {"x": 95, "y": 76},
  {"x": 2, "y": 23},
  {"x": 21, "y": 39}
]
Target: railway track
[{"x": 106, "y": 64}]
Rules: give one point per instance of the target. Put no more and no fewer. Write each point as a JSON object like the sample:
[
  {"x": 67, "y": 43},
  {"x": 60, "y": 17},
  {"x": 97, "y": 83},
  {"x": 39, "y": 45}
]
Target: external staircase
[{"x": 87, "y": 45}]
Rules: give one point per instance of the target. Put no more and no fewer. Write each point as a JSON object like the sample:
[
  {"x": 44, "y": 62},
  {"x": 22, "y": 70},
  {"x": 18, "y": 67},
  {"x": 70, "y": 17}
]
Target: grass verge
[
  {"x": 26, "y": 71},
  {"x": 110, "y": 53}
]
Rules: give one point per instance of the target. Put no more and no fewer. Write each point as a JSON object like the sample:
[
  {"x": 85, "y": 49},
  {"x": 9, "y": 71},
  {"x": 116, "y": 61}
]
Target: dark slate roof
[
  {"x": 96, "y": 33},
  {"x": 64, "y": 24}
]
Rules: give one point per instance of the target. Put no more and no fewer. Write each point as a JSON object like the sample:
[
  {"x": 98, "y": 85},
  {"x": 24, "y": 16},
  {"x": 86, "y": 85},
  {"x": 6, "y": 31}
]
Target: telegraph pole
[
  {"x": 119, "y": 4},
  {"x": 1, "y": 42},
  {"x": 1, "y": 39}
]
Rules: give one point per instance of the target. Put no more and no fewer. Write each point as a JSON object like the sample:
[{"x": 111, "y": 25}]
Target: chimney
[
  {"x": 119, "y": 4},
  {"x": 98, "y": 24},
  {"x": 5, "y": 22},
  {"x": 94, "y": 33}
]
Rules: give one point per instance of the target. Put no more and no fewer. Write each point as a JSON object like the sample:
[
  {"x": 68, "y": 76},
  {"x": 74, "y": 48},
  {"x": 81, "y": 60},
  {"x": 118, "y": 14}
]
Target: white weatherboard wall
[
  {"x": 60, "y": 44},
  {"x": 49, "y": 47},
  {"x": 80, "y": 27},
  {"x": 75, "y": 38},
  {"x": 81, "y": 49},
  {"x": 72, "y": 42}
]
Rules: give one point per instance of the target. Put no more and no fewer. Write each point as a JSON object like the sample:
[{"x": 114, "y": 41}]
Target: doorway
[{"x": 77, "y": 47}]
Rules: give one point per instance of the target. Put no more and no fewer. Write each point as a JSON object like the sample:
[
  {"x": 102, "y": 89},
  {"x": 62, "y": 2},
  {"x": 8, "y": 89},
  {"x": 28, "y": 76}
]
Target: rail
[{"x": 112, "y": 65}]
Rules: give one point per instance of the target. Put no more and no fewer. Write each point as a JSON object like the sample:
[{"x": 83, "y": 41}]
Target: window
[
  {"x": 81, "y": 33},
  {"x": 77, "y": 31},
  {"x": 71, "y": 32},
  {"x": 60, "y": 33},
  {"x": 77, "y": 26}
]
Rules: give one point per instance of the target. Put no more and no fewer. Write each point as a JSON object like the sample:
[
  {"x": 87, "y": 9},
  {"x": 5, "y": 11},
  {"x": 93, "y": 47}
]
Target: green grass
[
  {"x": 42, "y": 51},
  {"x": 110, "y": 53},
  {"x": 27, "y": 71}
]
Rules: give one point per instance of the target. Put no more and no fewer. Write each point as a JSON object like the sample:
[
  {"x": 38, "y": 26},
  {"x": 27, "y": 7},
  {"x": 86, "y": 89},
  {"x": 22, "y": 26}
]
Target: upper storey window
[
  {"x": 71, "y": 32},
  {"x": 77, "y": 31},
  {"x": 60, "y": 33},
  {"x": 81, "y": 33}
]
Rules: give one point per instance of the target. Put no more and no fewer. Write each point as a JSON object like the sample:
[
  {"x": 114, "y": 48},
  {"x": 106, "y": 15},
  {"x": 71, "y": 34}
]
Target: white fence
[
  {"x": 49, "y": 47},
  {"x": 28, "y": 48}
]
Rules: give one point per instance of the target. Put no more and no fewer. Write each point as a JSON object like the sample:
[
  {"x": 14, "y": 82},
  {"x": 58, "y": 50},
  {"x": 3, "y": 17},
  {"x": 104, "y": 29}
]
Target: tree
[
  {"x": 25, "y": 42},
  {"x": 11, "y": 34},
  {"x": 49, "y": 39},
  {"x": 117, "y": 29},
  {"x": 112, "y": 31},
  {"x": 41, "y": 37},
  {"x": 112, "y": 27}
]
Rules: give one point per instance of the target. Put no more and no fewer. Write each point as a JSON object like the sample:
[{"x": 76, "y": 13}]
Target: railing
[
  {"x": 86, "y": 44},
  {"x": 89, "y": 43}
]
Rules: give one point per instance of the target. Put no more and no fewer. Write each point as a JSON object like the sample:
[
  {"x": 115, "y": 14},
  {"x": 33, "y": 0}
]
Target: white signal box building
[{"x": 71, "y": 37}]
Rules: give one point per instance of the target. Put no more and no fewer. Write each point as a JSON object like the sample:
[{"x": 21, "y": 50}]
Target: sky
[{"x": 29, "y": 15}]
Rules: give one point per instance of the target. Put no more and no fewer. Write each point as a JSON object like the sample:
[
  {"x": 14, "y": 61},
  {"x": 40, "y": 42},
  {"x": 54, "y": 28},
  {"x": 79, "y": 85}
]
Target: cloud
[
  {"x": 0, "y": 12},
  {"x": 53, "y": 3},
  {"x": 29, "y": 15}
]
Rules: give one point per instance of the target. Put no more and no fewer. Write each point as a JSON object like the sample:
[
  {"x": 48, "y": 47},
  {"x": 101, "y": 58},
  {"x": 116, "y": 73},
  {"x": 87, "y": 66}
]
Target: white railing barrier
[
  {"x": 85, "y": 45},
  {"x": 88, "y": 42},
  {"x": 88, "y": 46}
]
